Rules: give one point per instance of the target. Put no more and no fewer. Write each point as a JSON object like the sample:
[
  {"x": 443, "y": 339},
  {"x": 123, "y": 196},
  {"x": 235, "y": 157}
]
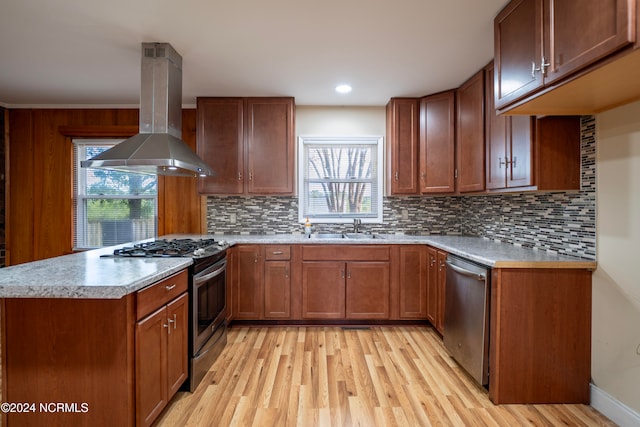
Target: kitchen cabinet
[
  {"x": 249, "y": 143},
  {"x": 248, "y": 282},
  {"x": 525, "y": 151},
  {"x": 436, "y": 282},
  {"x": 540, "y": 336},
  {"x": 402, "y": 146},
  {"x": 161, "y": 358},
  {"x": 470, "y": 167},
  {"x": 261, "y": 281},
  {"x": 353, "y": 283},
  {"x": 115, "y": 355},
  {"x": 437, "y": 143},
  {"x": 412, "y": 286},
  {"x": 277, "y": 282},
  {"x": 538, "y": 43}
]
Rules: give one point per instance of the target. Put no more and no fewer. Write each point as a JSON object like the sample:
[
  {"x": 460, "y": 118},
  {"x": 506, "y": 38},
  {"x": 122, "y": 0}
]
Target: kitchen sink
[
  {"x": 327, "y": 236},
  {"x": 361, "y": 236},
  {"x": 345, "y": 236}
]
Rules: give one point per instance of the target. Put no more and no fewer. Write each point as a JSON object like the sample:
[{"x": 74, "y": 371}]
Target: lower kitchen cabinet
[
  {"x": 261, "y": 282},
  {"x": 436, "y": 281},
  {"x": 540, "y": 349},
  {"x": 248, "y": 283},
  {"x": 323, "y": 290},
  {"x": 345, "y": 290},
  {"x": 161, "y": 358},
  {"x": 412, "y": 282},
  {"x": 277, "y": 282},
  {"x": 109, "y": 359}
]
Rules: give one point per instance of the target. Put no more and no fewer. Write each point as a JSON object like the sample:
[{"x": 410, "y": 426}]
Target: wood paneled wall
[{"x": 40, "y": 179}]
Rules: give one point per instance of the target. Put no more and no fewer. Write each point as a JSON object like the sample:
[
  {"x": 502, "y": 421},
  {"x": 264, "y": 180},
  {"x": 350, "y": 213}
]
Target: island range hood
[{"x": 158, "y": 149}]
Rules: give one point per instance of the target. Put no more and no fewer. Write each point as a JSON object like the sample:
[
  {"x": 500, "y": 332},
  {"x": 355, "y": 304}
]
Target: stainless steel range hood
[{"x": 157, "y": 149}]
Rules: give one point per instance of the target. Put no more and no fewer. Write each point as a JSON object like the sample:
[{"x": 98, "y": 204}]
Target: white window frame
[
  {"x": 305, "y": 141},
  {"x": 79, "y": 193}
]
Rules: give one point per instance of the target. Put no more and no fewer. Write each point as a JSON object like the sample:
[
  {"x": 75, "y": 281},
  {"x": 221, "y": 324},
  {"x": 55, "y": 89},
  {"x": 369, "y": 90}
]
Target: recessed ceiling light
[{"x": 343, "y": 88}]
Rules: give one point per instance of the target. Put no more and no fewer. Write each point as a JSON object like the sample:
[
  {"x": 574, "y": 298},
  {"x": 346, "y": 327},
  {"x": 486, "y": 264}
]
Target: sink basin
[
  {"x": 327, "y": 236},
  {"x": 362, "y": 236}
]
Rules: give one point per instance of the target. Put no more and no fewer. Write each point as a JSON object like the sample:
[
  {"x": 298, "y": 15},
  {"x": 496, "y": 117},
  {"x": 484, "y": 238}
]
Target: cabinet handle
[
  {"x": 250, "y": 176},
  {"x": 433, "y": 262},
  {"x": 286, "y": 273},
  {"x": 349, "y": 274},
  {"x": 501, "y": 162},
  {"x": 255, "y": 259},
  {"x": 239, "y": 176},
  {"x": 169, "y": 287},
  {"x": 174, "y": 321},
  {"x": 396, "y": 175},
  {"x": 278, "y": 252},
  {"x": 543, "y": 67},
  {"x": 513, "y": 162},
  {"x": 342, "y": 274},
  {"x": 166, "y": 325}
]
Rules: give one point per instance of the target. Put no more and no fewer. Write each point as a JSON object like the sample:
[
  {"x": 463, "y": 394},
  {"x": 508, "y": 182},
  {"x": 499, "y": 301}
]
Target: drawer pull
[
  {"x": 278, "y": 253},
  {"x": 169, "y": 287}
]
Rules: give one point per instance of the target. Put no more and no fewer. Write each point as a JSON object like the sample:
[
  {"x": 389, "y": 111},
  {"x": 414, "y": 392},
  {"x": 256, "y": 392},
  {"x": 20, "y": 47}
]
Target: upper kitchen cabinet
[
  {"x": 437, "y": 143},
  {"x": 249, "y": 143},
  {"x": 470, "y": 148},
  {"x": 402, "y": 146},
  {"x": 562, "y": 57},
  {"x": 529, "y": 153}
]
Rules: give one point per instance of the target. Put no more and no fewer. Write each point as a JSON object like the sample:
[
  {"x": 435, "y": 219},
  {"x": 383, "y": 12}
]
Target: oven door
[{"x": 209, "y": 303}]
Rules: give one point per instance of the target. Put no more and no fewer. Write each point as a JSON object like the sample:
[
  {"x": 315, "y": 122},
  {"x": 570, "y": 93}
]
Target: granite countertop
[{"x": 88, "y": 275}]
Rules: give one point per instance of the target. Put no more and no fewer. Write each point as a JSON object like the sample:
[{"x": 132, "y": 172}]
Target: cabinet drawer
[
  {"x": 150, "y": 298},
  {"x": 277, "y": 252},
  {"x": 345, "y": 253}
]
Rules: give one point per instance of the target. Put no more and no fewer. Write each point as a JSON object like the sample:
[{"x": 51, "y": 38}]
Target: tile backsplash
[{"x": 561, "y": 222}]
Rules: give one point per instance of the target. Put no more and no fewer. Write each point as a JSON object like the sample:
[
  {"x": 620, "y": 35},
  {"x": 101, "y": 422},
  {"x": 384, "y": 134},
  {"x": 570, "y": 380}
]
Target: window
[
  {"x": 110, "y": 207},
  {"x": 340, "y": 178}
]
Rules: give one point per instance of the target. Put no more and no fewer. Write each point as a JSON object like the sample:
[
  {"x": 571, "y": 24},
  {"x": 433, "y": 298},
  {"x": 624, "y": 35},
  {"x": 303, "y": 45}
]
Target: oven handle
[{"x": 206, "y": 275}]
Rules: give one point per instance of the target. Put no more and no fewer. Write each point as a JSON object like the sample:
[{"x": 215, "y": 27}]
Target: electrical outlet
[
  {"x": 233, "y": 218},
  {"x": 404, "y": 214}
]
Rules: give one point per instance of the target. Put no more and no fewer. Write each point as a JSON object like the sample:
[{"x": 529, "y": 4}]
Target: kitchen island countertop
[{"x": 88, "y": 275}]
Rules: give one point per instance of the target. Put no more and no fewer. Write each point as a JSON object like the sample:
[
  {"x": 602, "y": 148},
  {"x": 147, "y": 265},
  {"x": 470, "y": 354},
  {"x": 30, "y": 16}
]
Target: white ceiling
[{"x": 87, "y": 52}]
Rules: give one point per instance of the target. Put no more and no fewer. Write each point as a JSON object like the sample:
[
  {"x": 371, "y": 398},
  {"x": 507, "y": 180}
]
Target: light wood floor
[{"x": 329, "y": 376}]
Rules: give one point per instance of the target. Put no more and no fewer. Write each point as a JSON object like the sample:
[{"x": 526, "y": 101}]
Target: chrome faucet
[{"x": 357, "y": 222}]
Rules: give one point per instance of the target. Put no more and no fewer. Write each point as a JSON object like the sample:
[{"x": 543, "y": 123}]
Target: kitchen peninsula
[{"x": 69, "y": 322}]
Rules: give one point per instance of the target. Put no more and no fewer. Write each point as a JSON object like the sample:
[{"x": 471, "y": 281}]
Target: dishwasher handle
[{"x": 478, "y": 276}]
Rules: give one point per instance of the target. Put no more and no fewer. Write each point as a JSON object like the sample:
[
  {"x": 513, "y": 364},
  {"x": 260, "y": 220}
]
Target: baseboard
[{"x": 613, "y": 409}]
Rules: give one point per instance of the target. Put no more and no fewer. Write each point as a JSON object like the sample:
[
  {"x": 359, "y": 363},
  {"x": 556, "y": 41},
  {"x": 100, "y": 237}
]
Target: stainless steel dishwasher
[{"x": 466, "y": 316}]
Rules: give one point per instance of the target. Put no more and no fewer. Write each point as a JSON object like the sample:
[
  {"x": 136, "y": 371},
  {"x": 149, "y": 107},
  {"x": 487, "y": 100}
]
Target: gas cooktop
[{"x": 190, "y": 248}]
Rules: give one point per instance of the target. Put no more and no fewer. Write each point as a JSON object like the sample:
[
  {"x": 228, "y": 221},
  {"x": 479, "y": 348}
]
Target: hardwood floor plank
[{"x": 329, "y": 376}]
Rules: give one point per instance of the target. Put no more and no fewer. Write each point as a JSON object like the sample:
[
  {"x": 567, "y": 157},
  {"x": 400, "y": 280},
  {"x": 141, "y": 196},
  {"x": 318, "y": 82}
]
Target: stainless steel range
[{"x": 207, "y": 296}]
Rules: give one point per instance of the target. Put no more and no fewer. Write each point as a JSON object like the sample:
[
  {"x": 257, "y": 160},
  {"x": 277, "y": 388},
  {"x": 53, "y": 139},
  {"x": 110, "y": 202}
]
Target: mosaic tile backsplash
[{"x": 561, "y": 222}]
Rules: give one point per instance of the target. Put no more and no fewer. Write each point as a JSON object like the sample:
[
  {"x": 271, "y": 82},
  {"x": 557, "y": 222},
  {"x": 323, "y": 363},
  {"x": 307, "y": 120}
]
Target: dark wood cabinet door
[
  {"x": 496, "y": 138},
  {"x": 248, "y": 283},
  {"x": 277, "y": 289},
  {"x": 177, "y": 343},
  {"x": 437, "y": 143},
  {"x": 323, "y": 289},
  {"x": 432, "y": 285},
  {"x": 402, "y": 146},
  {"x": 220, "y": 143},
  {"x": 520, "y": 152},
  {"x": 470, "y": 134},
  {"x": 367, "y": 294},
  {"x": 581, "y": 32},
  {"x": 441, "y": 262},
  {"x": 518, "y": 45},
  {"x": 151, "y": 366},
  {"x": 413, "y": 282},
  {"x": 270, "y": 145}
]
